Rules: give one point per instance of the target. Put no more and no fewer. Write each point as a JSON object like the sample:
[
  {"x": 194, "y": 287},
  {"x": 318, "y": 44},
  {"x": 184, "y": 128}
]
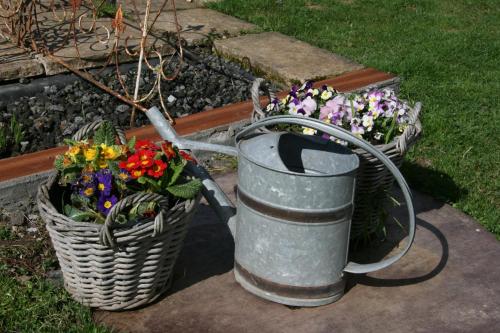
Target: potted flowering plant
[
  {"x": 377, "y": 116},
  {"x": 117, "y": 214}
]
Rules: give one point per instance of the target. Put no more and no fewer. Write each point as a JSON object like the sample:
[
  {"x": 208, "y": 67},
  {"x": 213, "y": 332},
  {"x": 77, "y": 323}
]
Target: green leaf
[
  {"x": 70, "y": 142},
  {"x": 113, "y": 166},
  {"x": 77, "y": 214},
  {"x": 131, "y": 143},
  {"x": 141, "y": 180},
  {"x": 177, "y": 169},
  {"x": 105, "y": 134},
  {"x": 58, "y": 163},
  {"x": 186, "y": 190}
]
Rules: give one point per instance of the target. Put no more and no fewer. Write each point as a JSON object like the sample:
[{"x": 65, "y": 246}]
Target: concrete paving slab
[
  {"x": 196, "y": 24},
  {"x": 448, "y": 282},
  {"x": 16, "y": 63},
  {"x": 93, "y": 49},
  {"x": 285, "y": 58}
]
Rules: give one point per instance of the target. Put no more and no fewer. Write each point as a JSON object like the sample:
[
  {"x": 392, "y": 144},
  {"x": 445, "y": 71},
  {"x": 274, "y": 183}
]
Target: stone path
[
  {"x": 285, "y": 58},
  {"x": 448, "y": 282}
]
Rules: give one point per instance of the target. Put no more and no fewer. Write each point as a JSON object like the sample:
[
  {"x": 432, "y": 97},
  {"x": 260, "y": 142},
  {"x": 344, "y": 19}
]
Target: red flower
[
  {"x": 158, "y": 168},
  {"x": 145, "y": 158},
  {"x": 186, "y": 156},
  {"x": 137, "y": 173},
  {"x": 131, "y": 163},
  {"x": 168, "y": 149},
  {"x": 146, "y": 144}
]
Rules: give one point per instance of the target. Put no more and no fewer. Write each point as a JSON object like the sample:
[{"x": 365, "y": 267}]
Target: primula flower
[
  {"x": 168, "y": 150},
  {"x": 87, "y": 191},
  {"x": 131, "y": 163},
  {"x": 73, "y": 151},
  {"x": 186, "y": 156},
  {"x": 145, "y": 158},
  {"x": 124, "y": 175},
  {"x": 137, "y": 173},
  {"x": 66, "y": 161},
  {"x": 109, "y": 152},
  {"x": 104, "y": 181},
  {"x": 105, "y": 203},
  {"x": 103, "y": 164},
  {"x": 157, "y": 170},
  {"x": 87, "y": 178},
  {"x": 146, "y": 144},
  {"x": 90, "y": 154}
]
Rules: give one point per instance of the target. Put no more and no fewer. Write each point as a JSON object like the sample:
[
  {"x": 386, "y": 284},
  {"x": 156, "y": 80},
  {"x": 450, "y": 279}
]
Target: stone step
[
  {"x": 16, "y": 63},
  {"x": 197, "y": 24},
  {"x": 285, "y": 58}
]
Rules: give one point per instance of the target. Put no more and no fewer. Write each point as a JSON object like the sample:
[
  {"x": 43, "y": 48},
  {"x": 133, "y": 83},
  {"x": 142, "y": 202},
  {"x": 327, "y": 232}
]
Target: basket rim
[{"x": 43, "y": 200}]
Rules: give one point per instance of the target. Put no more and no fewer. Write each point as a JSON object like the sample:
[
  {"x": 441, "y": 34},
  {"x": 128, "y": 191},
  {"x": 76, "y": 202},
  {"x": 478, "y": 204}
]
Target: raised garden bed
[{"x": 66, "y": 103}]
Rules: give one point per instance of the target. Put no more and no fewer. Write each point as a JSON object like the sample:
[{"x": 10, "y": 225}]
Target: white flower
[
  {"x": 378, "y": 136},
  {"x": 368, "y": 122},
  {"x": 308, "y": 131},
  {"x": 293, "y": 108},
  {"x": 315, "y": 92},
  {"x": 326, "y": 94}
]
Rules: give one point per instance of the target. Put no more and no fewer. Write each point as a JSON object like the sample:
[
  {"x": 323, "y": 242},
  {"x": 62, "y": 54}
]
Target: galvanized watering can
[{"x": 295, "y": 201}]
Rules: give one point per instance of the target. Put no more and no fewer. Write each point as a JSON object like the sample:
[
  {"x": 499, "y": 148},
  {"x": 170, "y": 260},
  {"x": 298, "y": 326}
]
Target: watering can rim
[{"x": 241, "y": 153}]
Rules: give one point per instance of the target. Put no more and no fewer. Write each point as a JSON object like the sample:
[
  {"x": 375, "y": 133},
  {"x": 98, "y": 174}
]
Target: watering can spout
[{"x": 216, "y": 198}]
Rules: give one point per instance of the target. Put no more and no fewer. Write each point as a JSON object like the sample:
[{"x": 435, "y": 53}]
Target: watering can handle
[{"x": 344, "y": 135}]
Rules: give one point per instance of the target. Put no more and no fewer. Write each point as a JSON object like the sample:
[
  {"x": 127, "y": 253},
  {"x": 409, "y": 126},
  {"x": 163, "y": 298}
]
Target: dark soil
[{"x": 58, "y": 112}]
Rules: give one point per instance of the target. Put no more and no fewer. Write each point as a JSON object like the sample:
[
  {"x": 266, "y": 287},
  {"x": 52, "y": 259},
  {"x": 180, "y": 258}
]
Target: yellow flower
[
  {"x": 66, "y": 161},
  {"x": 88, "y": 191},
  {"x": 73, "y": 151},
  {"x": 326, "y": 94},
  {"x": 110, "y": 153},
  {"x": 90, "y": 154},
  {"x": 102, "y": 164},
  {"x": 108, "y": 204}
]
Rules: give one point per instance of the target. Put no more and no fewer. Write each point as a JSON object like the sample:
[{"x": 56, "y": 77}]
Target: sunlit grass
[{"x": 446, "y": 52}]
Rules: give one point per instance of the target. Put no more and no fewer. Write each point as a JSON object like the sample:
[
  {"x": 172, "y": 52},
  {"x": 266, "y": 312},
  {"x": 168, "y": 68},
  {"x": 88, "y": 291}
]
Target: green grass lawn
[
  {"x": 28, "y": 301},
  {"x": 448, "y": 54}
]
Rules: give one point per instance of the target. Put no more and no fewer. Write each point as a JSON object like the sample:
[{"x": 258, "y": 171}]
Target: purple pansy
[{"x": 309, "y": 105}]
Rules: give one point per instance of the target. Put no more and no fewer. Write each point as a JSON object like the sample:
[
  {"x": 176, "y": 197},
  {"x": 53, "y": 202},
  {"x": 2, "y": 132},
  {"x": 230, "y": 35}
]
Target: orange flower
[{"x": 168, "y": 149}]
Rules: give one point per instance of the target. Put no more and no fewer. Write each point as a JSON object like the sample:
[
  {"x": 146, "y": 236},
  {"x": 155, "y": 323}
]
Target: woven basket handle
[
  {"x": 259, "y": 83},
  {"x": 88, "y": 129},
  {"x": 106, "y": 233},
  {"x": 412, "y": 131}
]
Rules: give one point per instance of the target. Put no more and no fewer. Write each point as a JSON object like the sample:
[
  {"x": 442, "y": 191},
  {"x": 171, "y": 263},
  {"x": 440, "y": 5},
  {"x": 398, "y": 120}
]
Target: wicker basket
[
  {"x": 116, "y": 266},
  {"x": 373, "y": 180}
]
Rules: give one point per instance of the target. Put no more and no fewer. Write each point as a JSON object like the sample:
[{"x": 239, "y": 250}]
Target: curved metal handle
[
  {"x": 106, "y": 233},
  {"x": 342, "y": 134}
]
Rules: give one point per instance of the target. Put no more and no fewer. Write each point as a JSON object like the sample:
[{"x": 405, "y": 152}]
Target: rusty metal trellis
[{"x": 44, "y": 27}]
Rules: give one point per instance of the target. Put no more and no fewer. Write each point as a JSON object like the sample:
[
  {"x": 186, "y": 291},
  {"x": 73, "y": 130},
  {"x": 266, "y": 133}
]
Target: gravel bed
[{"x": 58, "y": 112}]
